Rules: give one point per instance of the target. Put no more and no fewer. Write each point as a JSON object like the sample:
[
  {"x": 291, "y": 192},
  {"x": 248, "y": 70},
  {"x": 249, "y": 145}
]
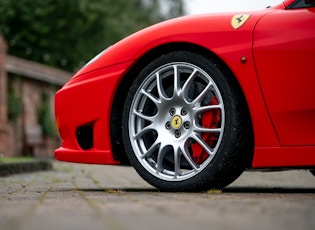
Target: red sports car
[{"x": 192, "y": 102}]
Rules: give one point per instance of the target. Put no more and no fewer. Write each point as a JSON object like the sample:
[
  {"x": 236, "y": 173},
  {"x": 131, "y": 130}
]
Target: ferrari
[{"x": 193, "y": 102}]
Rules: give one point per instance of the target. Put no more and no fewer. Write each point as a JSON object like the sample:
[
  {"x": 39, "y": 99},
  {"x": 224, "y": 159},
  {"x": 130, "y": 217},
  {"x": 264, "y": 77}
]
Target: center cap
[{"x": 176, "y": 122}]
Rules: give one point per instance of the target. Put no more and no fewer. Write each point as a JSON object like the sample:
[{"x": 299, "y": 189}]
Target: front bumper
[{"x": 86, "y": 101}]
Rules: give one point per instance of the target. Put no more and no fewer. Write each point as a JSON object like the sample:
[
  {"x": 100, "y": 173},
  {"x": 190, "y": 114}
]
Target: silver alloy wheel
[{"x": 166, "y": 121}]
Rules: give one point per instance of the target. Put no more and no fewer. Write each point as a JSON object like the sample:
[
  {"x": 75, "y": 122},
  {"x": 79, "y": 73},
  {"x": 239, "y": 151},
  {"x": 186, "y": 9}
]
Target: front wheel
[{"x": 185, "y": 124}]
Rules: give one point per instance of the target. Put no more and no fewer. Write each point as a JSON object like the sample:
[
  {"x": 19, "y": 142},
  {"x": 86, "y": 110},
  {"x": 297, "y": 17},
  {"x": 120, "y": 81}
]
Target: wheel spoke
[
  {"x": 207, "y": 130},
  {"x": 143, "y": 116},
  {"x": 202, "y": 95},
  {"x": 153, "y": 147},
  {"x": 203, "y": 144},
  {"x": 143, "y": 131},
  {"x": 188, "y": 82},
  {"x": 177, "y": 88},
  {"x": 155, "y": 100},
  {"x": 203, "y": 109},
  {"x": 161, "y": 92},
  {"x": 188, "y": 157},
  {"x": 177, "y": 156},
  {"x": 160, "y": 158}
]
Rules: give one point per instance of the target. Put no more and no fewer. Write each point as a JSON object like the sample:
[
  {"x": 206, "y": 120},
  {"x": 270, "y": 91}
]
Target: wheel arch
[{"x": 127, "y": 80}]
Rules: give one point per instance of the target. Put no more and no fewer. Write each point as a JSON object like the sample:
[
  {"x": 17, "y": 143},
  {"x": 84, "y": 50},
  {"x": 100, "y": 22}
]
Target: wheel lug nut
[
  {"x": 187, "y": 125},
  {"x": 183, "y": 112},
  {"x": 177, "y": 133},
  {"x": 172, "y": 111},
  {"x": 168, "y": 125}
]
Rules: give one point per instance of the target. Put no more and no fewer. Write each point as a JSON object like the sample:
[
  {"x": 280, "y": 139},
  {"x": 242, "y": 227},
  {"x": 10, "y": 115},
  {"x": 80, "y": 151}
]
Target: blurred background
[{"x": 42, "y": 43}]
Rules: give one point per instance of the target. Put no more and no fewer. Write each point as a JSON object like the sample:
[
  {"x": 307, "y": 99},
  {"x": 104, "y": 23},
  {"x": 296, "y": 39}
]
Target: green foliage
[
  {"x": 67, "y": 33},
  {"x": 45, "y": 117},
  {"x": 15, "y": 105}
]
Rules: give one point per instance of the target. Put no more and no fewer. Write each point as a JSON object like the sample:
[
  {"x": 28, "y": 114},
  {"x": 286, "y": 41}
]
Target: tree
[{"x": 67, "y": 33}]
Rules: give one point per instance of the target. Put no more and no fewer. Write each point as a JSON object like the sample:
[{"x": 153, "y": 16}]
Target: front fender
[{"x": 214, "y": 33}]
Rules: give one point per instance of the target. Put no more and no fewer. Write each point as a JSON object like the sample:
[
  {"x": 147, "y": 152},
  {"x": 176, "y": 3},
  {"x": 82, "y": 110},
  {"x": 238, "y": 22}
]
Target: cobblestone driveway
[{"x": 77, "y": 196}]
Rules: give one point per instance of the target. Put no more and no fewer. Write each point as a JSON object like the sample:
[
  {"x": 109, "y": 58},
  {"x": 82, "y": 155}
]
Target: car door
[{"x": 284, "y": 52}]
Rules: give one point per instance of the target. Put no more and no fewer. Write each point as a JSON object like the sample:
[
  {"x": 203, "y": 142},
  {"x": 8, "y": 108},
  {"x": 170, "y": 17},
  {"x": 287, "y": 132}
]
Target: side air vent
[{"x": 85, "y": 136}]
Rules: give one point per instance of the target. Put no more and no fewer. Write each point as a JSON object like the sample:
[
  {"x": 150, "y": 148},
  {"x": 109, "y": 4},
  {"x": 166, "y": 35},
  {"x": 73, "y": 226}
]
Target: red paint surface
[{"x": 277, "y": 79}]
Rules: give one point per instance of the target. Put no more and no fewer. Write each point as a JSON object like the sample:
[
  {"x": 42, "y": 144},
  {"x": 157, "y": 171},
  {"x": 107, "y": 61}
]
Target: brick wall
[
  {"x": 3, "y": 81},
  {"x": 22, "y": 135},
  {"x": 5, "y": 143}
]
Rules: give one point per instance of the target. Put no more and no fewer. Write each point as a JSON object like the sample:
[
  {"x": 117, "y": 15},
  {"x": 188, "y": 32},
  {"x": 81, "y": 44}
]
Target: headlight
[{"x": 96, "y": 57}]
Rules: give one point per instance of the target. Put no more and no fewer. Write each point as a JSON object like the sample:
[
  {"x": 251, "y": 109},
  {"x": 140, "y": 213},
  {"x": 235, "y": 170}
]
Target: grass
[{"x": 15, "y": 159}]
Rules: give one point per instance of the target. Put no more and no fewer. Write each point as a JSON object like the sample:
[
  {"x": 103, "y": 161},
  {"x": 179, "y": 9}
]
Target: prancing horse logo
[
  {"x": 239, "y": 20},
  {"x": 176, "y": 122}
]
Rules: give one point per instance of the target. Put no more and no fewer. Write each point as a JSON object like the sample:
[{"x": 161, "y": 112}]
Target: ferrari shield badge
[{"x": 239, "y": 20}]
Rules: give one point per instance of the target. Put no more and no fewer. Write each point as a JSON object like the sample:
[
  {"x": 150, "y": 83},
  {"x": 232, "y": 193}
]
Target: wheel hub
[{"x": 179, "y": 122}]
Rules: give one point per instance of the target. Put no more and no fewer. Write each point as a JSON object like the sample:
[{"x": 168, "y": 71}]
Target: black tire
[
  {"x": 161, "y": 125},
  {"x": 313, "y": 172}
]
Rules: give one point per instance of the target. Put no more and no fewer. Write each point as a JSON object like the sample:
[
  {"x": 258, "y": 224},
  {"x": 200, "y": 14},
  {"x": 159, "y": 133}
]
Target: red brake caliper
[{"x": 209, "y": 119}]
